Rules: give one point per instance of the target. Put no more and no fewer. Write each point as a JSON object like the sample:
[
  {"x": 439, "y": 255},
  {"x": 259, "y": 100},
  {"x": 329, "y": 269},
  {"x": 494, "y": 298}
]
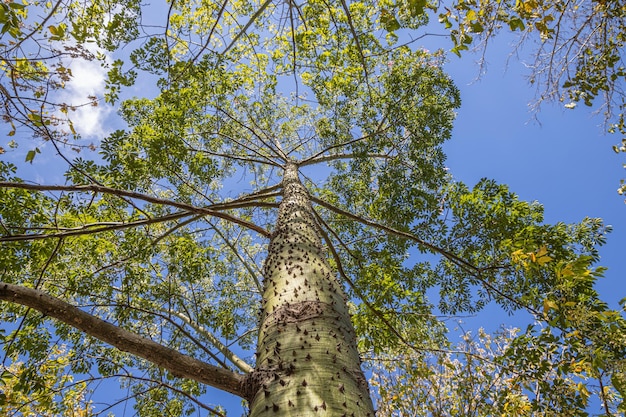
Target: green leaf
[
  {"x": 30, "y": 155},
  {"x": 389, "y": 21},
  {"x": 416, "y": 7},
  {"x": 17, "y": 6},
  {"x": 515, "y": 23},
  {"x": 458, "y": 48},
  {"x": 476, "y": 27},
  {"x": 618, "y": 380},
  {"x": 58, "y": 32}
]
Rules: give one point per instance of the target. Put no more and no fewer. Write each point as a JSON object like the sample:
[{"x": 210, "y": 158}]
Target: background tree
[
  {"x": 49, "y": 391},
  {"x": 483, "y": 375},
  {"x": 573, "y": 50},
  {"x": 152, "y": 257}
]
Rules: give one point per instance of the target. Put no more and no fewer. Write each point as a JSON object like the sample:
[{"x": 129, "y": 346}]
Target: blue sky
[{"x": 561, "y": 158}]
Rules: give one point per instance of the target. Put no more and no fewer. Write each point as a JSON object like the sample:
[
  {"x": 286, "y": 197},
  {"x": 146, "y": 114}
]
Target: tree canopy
[
  {"x": 573, "y": 50},
  {"x": 140, "y": 259}
]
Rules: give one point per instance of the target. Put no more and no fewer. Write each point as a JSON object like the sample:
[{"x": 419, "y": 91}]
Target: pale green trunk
[{"x": 307, "y": 359}]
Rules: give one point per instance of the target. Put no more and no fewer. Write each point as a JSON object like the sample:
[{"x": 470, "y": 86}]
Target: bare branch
[
  {"x": 246, "y": 264},
  {"x": 379, "y": 129},
  {"x": 326, "y": 158},
  {"x": 92, "y": 228},
  {"x": 247, "y": 26},
  {"x": 355, "y": 36},
  {"x": 455, "y": 259},
  {"x": 243, "y": 204},
  {"x": 234, "y": 359},
  {"x": 131, "y": 194},
  {"x": 175, "y": 389}
]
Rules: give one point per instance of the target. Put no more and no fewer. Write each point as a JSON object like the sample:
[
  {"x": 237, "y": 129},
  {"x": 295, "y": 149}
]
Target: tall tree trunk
[{"x": 307, "y": 358}]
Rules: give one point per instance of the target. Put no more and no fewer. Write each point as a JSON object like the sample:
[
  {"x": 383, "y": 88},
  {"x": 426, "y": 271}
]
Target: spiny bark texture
[{"x": 307, "y": 358}]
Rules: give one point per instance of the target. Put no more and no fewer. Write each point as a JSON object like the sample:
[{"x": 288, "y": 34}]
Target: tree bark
[{"x": 307, "y": 359}]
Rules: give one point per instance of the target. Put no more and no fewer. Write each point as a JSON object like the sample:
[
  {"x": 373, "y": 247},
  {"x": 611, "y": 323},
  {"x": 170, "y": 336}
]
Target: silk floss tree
[
  {"x": 249, "y": 225},
  {"x": 316, "y": 90}
]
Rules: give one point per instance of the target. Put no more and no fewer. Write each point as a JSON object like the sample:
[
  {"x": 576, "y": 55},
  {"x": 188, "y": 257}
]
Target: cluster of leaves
[
  {"x": 11, "y": 16},
  {"x": 579, "y": 54},
  {"x": 157, "y": 278},
  {"x": 489, "y": 226},
  {"x": 570, "y": 361},
  {"x": 46, "y": 389}
]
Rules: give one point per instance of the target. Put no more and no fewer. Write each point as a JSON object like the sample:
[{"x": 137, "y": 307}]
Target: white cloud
[{"x": 87, "y": 82}]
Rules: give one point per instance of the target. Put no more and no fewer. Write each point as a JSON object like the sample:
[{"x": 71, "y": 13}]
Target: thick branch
[
  {"x": 175, "y": 362},
  {"x": 230, "y": 205}
]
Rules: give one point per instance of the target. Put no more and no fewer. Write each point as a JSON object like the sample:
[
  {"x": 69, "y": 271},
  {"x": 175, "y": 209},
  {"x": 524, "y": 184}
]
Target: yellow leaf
[
  {"x": 584, "y": 393},
  {"x": 542, "y": 251},
  {"x": 549, "y": 305},
  {"x": 543, "y": 260}
]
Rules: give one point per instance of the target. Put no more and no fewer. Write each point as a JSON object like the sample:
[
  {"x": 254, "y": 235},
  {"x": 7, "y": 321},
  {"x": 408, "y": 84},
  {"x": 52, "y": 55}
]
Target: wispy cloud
[{"x": 84, "y": 92}]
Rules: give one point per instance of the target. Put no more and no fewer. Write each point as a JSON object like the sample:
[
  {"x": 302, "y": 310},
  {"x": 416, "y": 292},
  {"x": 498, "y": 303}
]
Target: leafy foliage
[
  {"x": 163, "y": 232},
  {"x": 44, "y": 390},
  {"x": 576, "y": 47},
  {"x": 482, "y": 376},
  {"x": 567, "y": 365}
]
